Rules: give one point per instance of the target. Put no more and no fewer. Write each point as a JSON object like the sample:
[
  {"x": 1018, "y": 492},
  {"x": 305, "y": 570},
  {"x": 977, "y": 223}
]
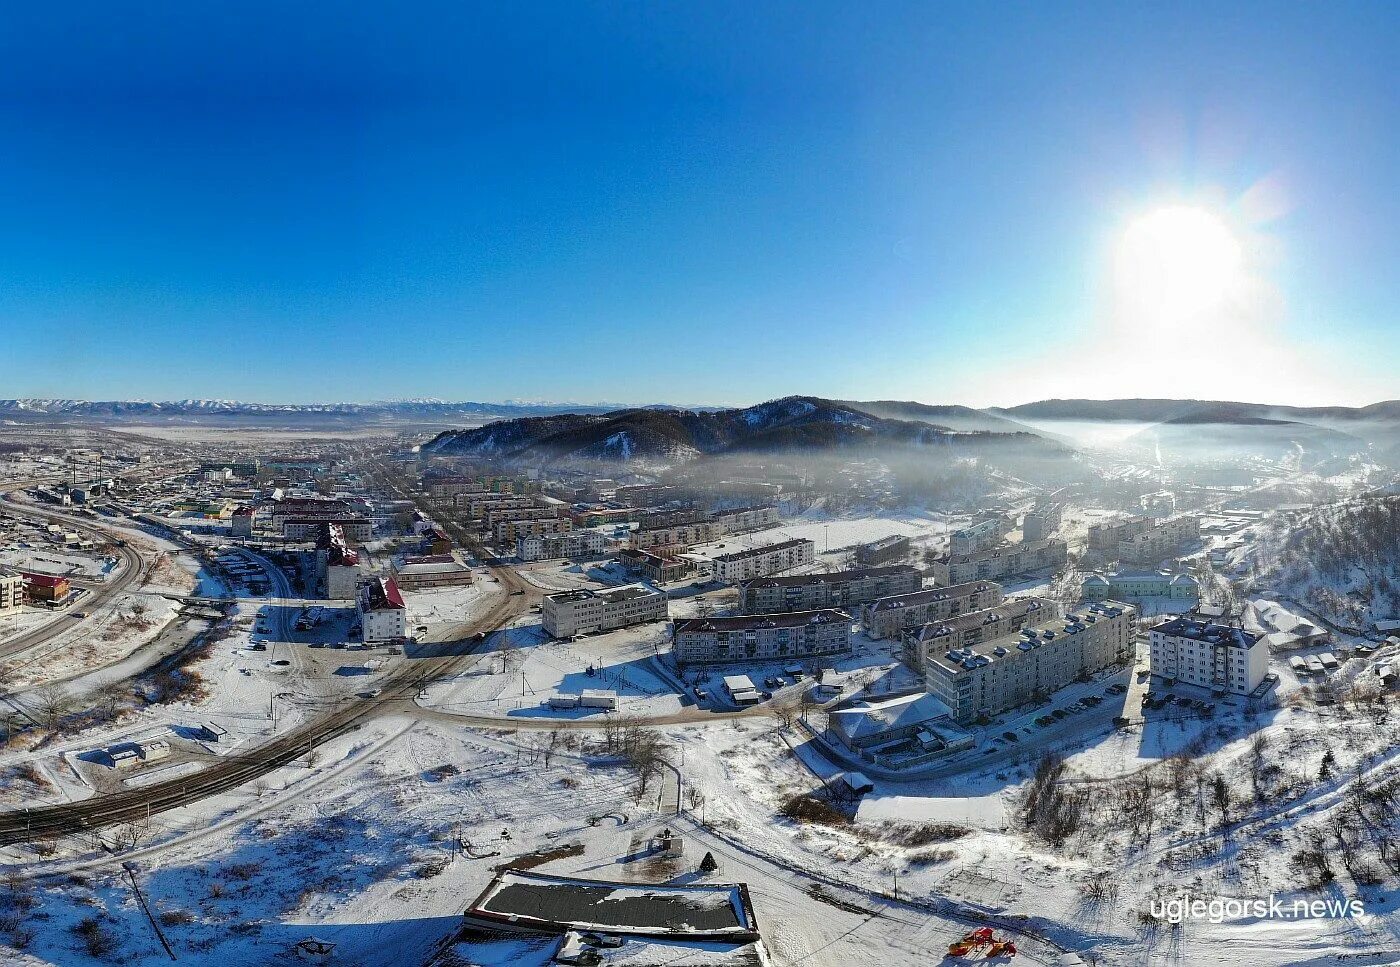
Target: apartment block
[
  {"x": 545, "y": 547},
  {"x": 510, "y": 531},
  {"x": 383, "y": 615},
  {"x": 1218, "y": 657},
  {"x": 759, "y": 638},
  {"x": 973, "y": 628},
  {"x": 1128, "y": 585},
  {"x": 1041, "y": 521},
  {"x": 570, "y": 613},
  {"x": 1105, "y": 535},
  {"x": 992, "y": 676},
  {"x": 890, "y": 617},
  {"x": 1161, "y": 540},
  {"x": 654, "y": 567},
  {"x": 1001, "y": 562},
  {"x": 833, "y": 589},
  {"x": 356, "y": 530},
  {"x": 11, "y": 592},
  {"x": 497, "y": 515},
  {"x": 757, "y": 562},
  {"x": 892, "y": 548},
  {"x": 676, "y": 535},
  {"x": 979, "y": 536}
]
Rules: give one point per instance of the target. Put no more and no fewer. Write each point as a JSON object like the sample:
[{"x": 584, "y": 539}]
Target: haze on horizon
[{"x": 713, "y": 205}]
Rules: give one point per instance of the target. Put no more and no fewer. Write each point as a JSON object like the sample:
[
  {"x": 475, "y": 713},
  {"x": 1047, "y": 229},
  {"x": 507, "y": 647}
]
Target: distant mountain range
[
  {"x": 394, "y": 411},
  {"x": 1193, "y": 411},
  {"x": 794, "y": 423}
]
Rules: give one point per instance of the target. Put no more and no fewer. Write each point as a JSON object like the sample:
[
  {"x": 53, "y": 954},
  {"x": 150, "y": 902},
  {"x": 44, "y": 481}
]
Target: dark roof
[
  {"x": 1208, "y": 632},
  {"x": 930, "y": 594},
  {"x": 762, "y": 549},
  {"x": 830, "y": 577},
  {"x": 744, "y": 622}
]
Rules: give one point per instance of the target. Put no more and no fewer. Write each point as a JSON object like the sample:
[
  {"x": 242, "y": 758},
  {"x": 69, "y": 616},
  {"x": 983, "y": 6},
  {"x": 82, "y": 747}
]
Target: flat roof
[
  {"x": 830, "y": 577},
  {"x": 556, "y": 904},
  {"x": 1030, "y": 637},
  {"x": 761, "y": 549},
  {"x": 746, "y": 622},
  {"x": 932, "y": 594}
]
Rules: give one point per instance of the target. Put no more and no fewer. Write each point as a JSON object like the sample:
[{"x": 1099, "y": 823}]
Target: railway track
[{"x": 138, "y": 804}]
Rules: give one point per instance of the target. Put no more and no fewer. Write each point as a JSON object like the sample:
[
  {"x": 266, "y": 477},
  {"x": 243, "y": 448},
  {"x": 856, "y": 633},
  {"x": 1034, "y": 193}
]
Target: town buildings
[
  {"x": 974, "y": 627},
  {"x": 833, "y": 589},
  {"x": 753, "y": 562},
  {"x": 1160, "y": 540},
  {"x": 979, "y": 536},
  {"x": 890, "y": 617},
  {"x": 677, "y": 535},
  {"x": 49, "y": 589},
  {"x": 1130, "y": 585},
  {"x": 509, "y": 532},
  {"x": 12, "y": 595},
  {"x": 544, "y": 547},
  {"x": 1000, "y": 562},
  {"x": 757, "y": 638},
  {"x": 570, "y": 613},
  {"x": 1041, "y": 522},
  {"x": 357, "y": 530},
  {"x": 241, "y": 523},
  {"x": 892, "y": 548},
  {"x": 431, "y": 571},
  {"x": 1213, "y": 656},
  {"x": 382, "y": 613},
  {"x": 337, "y": 566},
  {"x": 654, "y": 567},
  {"x": 984, "y": 679},
  {"x": 1105, "y": 535}
]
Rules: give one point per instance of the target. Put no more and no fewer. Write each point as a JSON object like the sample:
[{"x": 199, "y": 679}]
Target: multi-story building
[
  {"x": 987, "y": 678},
  {"x": 1000, "y": 562},
  {"x": 974, "y": 627},
  {"x": 654, "y": 567},
  {"x": 1040, "y": 522},
  {"x": 380, "y": 606},
  {"x": 766, "y": 637},
  {"x": 1217, "y": 657},
  {"x": 431, "y": 571},
  {"x": 833, "y": 589},
  {"x": 892, "y": 548},
  {"x": 890, "y": 617},
  {"x": 510, "y": 531},
  {"x": 979, "y": 536},
  {"x": 1160, "y": 540},
  {"x": 545, "y": 547},
  {"x": 241, "y": 523},
  {"x": 677, "y": 535},
  {"x": 11, "y": 592},
  {"x": 646, "y": 495},
  {"x": 1105, "y": 535},
  {"x": 357, "y": 530},
  {"x": 496, "y": 515},
  {"x": 308, "y": 508},
  {"x": 50, "y": 589},
  {"x": 337, "y": 566},
  {"x": 767, "y": 559},
  {"x": 1131, "y": 585},
  {"x": 570, "y": 613}
]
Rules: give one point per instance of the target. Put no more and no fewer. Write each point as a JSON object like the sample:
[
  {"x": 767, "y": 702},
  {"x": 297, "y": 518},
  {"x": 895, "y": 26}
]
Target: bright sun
[{"x": 1178, "y": 267}]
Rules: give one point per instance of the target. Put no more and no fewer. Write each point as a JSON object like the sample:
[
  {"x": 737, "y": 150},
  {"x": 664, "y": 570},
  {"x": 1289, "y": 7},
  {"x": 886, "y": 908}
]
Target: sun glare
[{"x": 1178, "y": 266}]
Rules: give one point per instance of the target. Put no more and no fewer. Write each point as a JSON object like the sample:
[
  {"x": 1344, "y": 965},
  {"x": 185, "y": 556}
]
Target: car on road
[
  {"x": 369, "y": 693},
  {"x": 1010, "y": 737},
  {"x": 514, "y": 593}
]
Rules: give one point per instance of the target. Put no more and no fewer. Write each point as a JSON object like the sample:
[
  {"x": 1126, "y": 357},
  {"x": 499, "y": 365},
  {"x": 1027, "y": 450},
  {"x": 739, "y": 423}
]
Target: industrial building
[
  {"x": 383, "y": 615},
  {"x": 1218, "y": 657},
  {"x": 984, "y": 679},
  {"x": 1000, "y": 562},
  {"x": 832, "y": 589},
  {"x": 758, "y": 638},
  {"x": 759, "y": 561},
  {"x": 890, "y": 617},
  {"x": 571, "y": 613}
]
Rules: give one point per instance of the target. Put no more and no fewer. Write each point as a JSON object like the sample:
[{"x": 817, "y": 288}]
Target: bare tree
[{"x": 52, "y": 704}]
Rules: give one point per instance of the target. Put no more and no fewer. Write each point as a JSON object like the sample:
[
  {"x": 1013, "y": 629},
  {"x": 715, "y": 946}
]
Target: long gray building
[{"x": 830, "y": 589}]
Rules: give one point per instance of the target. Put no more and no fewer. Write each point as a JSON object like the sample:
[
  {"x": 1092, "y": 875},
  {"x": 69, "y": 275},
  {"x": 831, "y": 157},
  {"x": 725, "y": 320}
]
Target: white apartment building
[
  {"x": 1040, "y": 523},
  {"x": 711, "y": 527},
  {"x": 1217, "y": 657},
  {"x": 979, "y": 536},
  {"x": 989, "y": 677},
  {"x": 890, "y": 617},
  {"x": 1160, "y": 540},
  {"x": 759, "y": 638},
  {"x": 570, "y": 613},
  {"x": 973, "y": 627},
  {"x": 832, "y": 589},
  {"x": 11, "y": 592},
  {"x": 1105, "y": 535},
  {"x": 756, "y": 562},
  {"x": 383, "y": 615},
  {"x": 547, "y": 547},
  {"x": 510, "y": 531}
]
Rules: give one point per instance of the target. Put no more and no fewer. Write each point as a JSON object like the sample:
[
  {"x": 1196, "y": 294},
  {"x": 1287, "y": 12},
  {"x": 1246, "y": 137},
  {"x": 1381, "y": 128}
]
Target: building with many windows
[
  {"x": 510, "y": 531},
  {"x": 989, "y": 677},
  {"x": 11, "y": 592},
  {"x": 832, "y": 589},
  {"x": 979, "y": 536},
  {"x": 1140, "y": 584},
  {"x": 1161, "y": 540},
  {"x": 754, "y": 562},
  {"x": 1001, "y": 562},
  {"x": 570, "y": 613},
  {"x": 382, "y": 613},
  {"x": 337, "y": 566},
  {"x": 974, "y": 627},
  {"x": 546, "y": 547},
  {"x": 677, "y": 535},
  {"x": 892, "y": 548},
  {"x": 654, "y": 567},
  {"x": 1218, "y": 657},
  {"x": 1041, "y": 521},
  {"x": 891, "y": 617},
  {"x": 758, "y": 638}
]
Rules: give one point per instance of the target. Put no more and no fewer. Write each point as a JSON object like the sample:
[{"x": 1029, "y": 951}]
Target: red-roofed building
[
  {"x": 383, "y": 614},
  {"x": 48, "y": 588}
]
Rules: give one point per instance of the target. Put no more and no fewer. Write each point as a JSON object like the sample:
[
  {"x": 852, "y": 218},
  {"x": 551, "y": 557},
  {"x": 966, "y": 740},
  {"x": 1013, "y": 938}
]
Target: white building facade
[{"x": 1218, "y": 657}]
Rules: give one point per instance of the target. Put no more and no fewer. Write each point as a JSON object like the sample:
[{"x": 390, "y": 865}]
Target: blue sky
[{"x": 702, "y": 202}]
